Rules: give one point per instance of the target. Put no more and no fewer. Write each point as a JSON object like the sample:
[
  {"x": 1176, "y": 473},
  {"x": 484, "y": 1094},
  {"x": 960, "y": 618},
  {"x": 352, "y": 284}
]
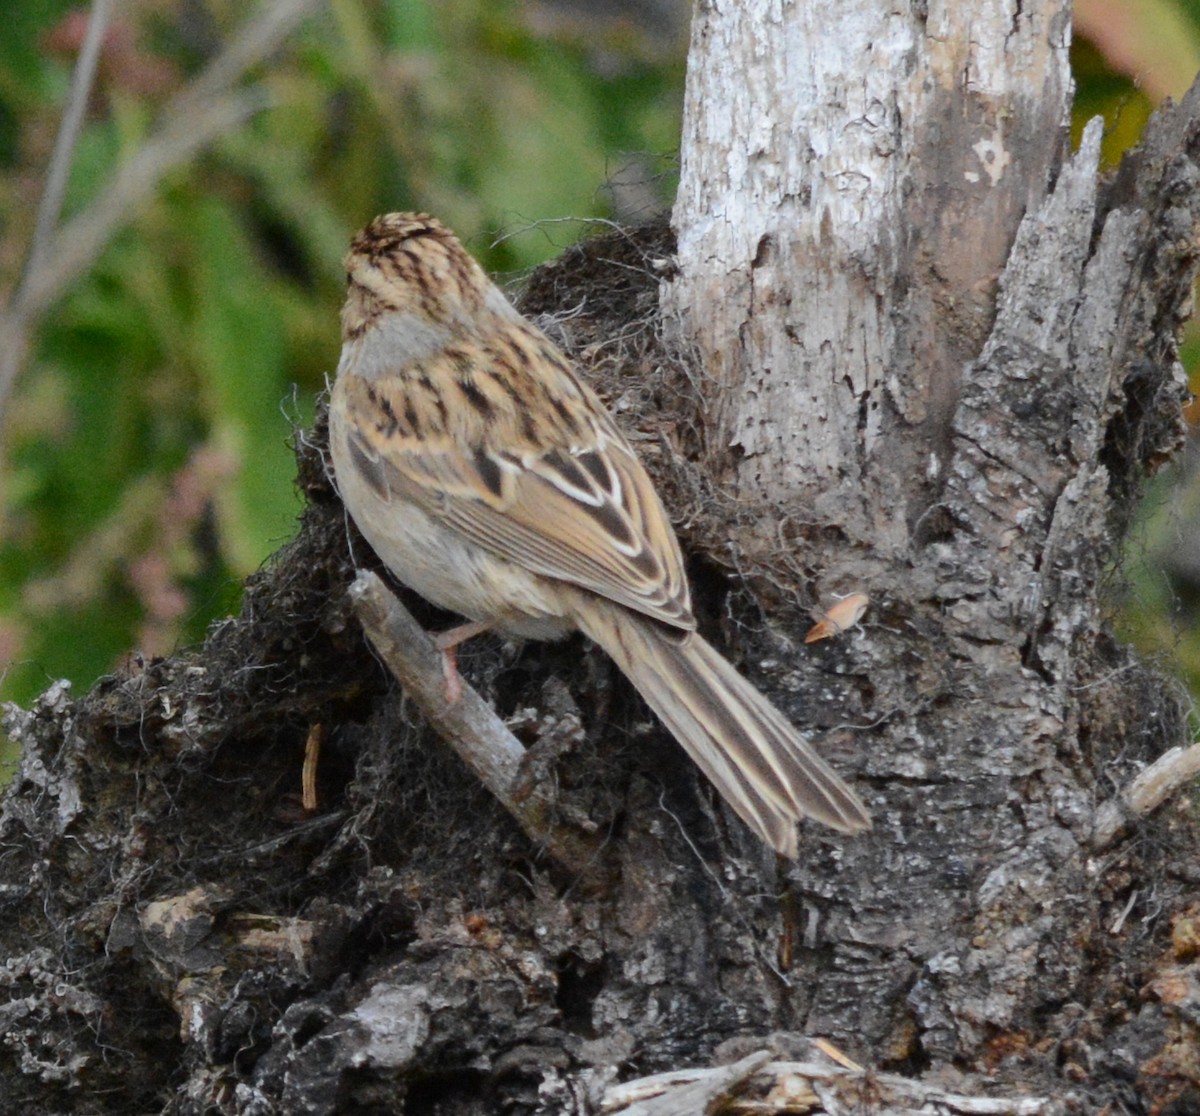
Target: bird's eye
[{"x": 349, "y": 278}]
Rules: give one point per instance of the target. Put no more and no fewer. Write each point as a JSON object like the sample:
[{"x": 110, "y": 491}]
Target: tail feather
[{"x": 763, "y": 767}]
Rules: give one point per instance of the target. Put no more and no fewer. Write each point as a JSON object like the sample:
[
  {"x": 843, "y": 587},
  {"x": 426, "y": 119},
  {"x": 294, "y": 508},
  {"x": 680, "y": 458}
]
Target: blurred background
[{"x": 164, "y": 347}]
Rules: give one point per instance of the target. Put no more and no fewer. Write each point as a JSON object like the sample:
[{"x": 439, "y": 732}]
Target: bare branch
[
  {"x": 68, "y": 133},
  {"x": 254, "y": 43},
  {"x": 84, "y": 237},
  {"x": 201, "y": 113},
  {"x": 1149, "y": 790},
  {"x": 470, "y": 726}
]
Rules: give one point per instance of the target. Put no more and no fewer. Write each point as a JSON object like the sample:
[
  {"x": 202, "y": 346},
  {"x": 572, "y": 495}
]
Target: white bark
[{"x": 844, "y": 208}]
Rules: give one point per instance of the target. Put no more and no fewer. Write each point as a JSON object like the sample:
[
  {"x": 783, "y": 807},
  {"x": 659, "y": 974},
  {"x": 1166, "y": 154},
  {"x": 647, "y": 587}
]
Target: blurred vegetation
[
  {"x": 144, "y": 458},
  {"x": 145, "y": 464},
  {"x": 1127, "y": 56}
]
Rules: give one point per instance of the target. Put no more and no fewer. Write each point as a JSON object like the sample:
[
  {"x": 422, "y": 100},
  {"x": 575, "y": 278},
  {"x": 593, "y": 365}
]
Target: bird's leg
[{"x": 447, "y": 643}]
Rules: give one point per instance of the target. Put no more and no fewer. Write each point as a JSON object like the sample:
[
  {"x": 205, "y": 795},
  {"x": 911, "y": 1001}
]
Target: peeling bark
[{"x": 852, "y": 178}]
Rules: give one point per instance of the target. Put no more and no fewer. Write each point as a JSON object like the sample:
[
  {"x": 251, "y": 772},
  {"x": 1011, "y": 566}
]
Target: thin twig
[
  {"x": 84, "y": 237},
  {"x": 469, "y": 725},
  {"x": 254, "y": 42},
  {"x": 199, "y": 114},
  {"x": 700, "y": 1093},
  {"x": 68, "y": 133},
  {"x": 308, "y": 773},
  {"x": 1162, "y": 778}
]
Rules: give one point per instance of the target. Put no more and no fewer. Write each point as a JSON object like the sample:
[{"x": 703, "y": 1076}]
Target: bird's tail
[{"x": 761, "y": 765}]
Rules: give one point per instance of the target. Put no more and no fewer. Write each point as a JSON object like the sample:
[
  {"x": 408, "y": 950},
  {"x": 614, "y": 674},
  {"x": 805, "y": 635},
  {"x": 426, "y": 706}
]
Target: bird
[{"x": 489, "y": 478}]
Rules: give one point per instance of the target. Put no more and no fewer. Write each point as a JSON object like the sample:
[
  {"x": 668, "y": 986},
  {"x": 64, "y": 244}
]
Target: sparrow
[{"x": 490, "y": 479}]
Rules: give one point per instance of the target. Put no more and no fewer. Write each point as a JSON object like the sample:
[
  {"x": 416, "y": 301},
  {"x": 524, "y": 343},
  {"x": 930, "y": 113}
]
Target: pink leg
[{"x": 447, "y": 643}]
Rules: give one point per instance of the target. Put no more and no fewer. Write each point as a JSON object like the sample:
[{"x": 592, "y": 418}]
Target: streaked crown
[{"x": 410, "y": 262}]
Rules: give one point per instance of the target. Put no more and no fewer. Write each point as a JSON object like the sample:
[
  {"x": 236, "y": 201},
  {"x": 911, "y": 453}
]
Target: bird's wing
[{"x": 539, "y": 475}]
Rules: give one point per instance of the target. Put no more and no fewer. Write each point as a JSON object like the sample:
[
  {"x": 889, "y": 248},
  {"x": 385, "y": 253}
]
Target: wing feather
[{"x": 581, "y": 511}]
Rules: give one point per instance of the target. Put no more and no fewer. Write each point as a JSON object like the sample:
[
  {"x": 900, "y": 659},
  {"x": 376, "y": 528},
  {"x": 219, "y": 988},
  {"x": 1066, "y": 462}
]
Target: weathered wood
[{"x": 852, "y": 178}]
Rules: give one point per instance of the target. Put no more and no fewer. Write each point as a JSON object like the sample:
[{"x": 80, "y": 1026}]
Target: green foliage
[
  {"x": 1126, "y": 55},
  {"x": 145, "y": 464},
  {"x": 1100, "y": 91}
]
